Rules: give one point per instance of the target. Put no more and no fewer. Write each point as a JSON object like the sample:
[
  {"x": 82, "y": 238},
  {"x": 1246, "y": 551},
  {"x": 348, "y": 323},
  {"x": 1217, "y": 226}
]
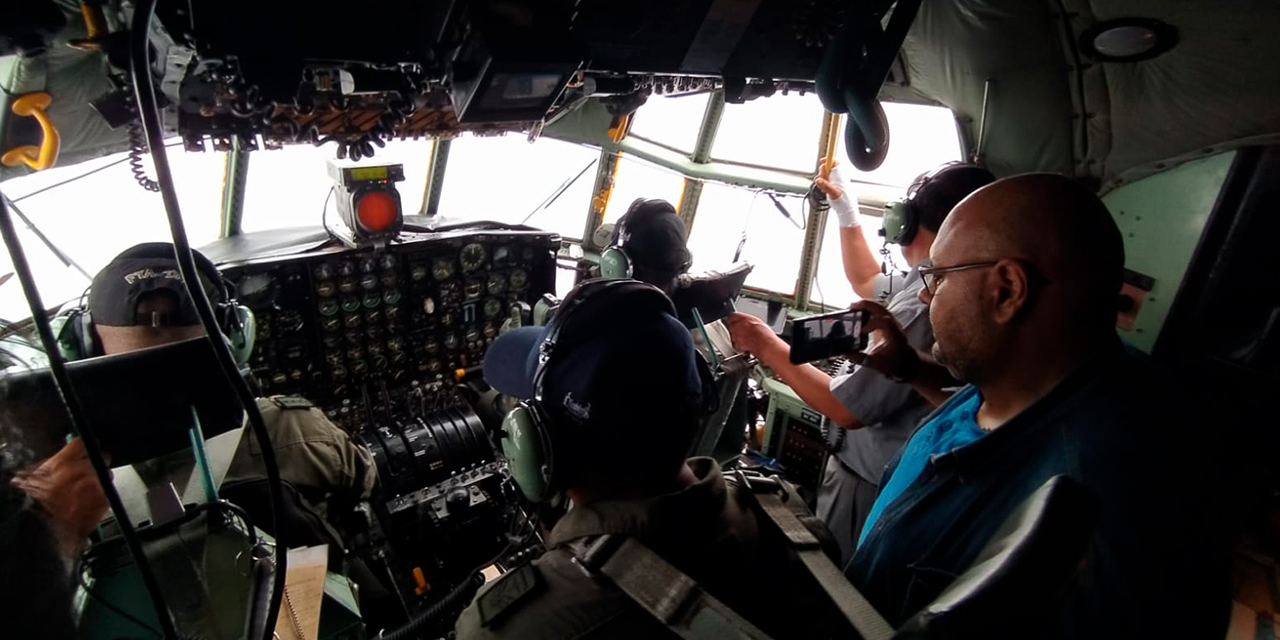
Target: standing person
[{"x": 873, "y": 413}]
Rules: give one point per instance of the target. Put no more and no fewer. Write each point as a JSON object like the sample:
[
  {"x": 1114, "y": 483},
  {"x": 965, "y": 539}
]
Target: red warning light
[{"x": 377, "y": 211}]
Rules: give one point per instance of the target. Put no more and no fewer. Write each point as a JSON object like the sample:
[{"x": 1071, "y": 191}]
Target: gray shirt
[{"x": 889, "y": 411}]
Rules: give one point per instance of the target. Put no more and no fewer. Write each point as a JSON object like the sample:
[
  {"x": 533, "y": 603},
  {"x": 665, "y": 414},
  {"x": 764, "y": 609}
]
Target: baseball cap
[
  {"x": 654, "y": 236},
  {"x": 144, "y": 268},
  {"x": 616, "y": 359}
]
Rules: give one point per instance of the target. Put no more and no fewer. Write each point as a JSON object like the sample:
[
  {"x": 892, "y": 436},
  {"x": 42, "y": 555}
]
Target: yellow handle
[{"x": 45, "y": 155}]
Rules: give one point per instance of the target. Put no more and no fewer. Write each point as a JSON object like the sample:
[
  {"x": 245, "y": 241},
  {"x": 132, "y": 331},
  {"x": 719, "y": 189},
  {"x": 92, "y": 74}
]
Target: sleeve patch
[{"x": 291, "y": 402}]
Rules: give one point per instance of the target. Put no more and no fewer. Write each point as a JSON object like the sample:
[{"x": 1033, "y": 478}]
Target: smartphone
[{"x": 827, "y": 335}]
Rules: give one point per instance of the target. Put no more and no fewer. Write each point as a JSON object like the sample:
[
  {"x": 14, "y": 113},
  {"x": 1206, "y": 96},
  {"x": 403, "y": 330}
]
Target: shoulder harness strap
[
  {"x": 662, "y": 590},
  {"x": 770, "y": 495}
]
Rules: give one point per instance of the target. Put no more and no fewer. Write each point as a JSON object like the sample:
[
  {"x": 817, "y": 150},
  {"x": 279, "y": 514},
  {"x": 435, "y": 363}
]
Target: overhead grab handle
[{"x": 41, "y": 157}]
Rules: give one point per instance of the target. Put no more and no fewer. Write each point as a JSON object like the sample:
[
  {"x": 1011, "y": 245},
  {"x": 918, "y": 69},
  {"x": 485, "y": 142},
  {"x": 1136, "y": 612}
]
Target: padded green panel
[{"x": 1162, "y": 218}]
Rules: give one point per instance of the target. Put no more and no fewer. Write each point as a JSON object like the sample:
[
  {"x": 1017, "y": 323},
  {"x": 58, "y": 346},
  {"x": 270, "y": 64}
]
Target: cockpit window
[
  {"x": 506, "y": 179},
  {"x": 773, "y": 243},
  {"x": 96, "y": 217},
  {"x": 671, "y": 122},
  {"x": 779, "y": 131},
  {"x": 641, "y": 179},
  {"x": 921, "y": 137}
]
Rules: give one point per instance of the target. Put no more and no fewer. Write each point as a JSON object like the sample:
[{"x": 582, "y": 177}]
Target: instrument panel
[{"x": 348, "y": 324}]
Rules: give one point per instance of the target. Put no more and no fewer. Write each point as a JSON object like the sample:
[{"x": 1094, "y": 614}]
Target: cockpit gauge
[
  {"x": 395, "y": 344},
  {"x": 472, "y": 257},
  {"x": 387, "y": 261},
  {"x": 351, "y": 304},
  {"x": 379, "y": 363},
  {"x": 372, "y": 316},
  {"x": 352, "y": 321},
  {"x": 419, "y": 272},
  {"x": 338, "y": 372},
  {"x": 451, "y": 341},
  {"x": 353, "y": 336},
  {"x": 492, "y": 307},
  {"x": 372, "y": 300},
  {"x": 391, "y": 313},
  {"x": 358, "y": 367},
  {"x": 368, "y": 265},
  {"x": 331, "y": 324},
  {"x": 334, "y": 358},
  {"x": 496, "y": 285},
  {"x": 442, "y": 269},
  {"x": 323, "y": 272},
  {"x": 376, "y": 348},
  {"x": 474, "y": 289},
  {"x": 399, "y": 357},
  {"x": 373, "y": 331},
  {"x": 490, "y": 331},
  {"x": 332, "y": 340},
  {"x": 519, "y": 279},
  {"x": 391, "y": 296},
  {"x": 278, "y": 378},
  {"x": 257, "y": 290},
  {"x": 348, "y": 285},
  {"x": 501, "y": 255},
  {"x": 447, "y": 319},
  {"x": 434, "y": 365},
  {"x": 347, "y": 269},
  {"x": 388, "y": 279},
  {"x": 355, "y": 352},
  {"x": 450, "y": 293},
  {"x": 473, "y": 335},
  {"x": 431, "y": 346},
  {"x": 368, "y": 282},
  {"x": 326, "y": 289},
  {"x": 290, "y": 321},
  {"x": 328, "y": 308}
]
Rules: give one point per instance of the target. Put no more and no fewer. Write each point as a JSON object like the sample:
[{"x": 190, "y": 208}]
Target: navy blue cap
[{"x": 619, "y": 367}]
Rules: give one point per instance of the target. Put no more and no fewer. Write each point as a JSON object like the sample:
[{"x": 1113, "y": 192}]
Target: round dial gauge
[
  {"x": 391, "y": 296},
  {"x": 447, "y": 319},
  {"x": 395, "y": 344},
  {"x": 348, "y": 285},
  {"x": 376, "y": 349},
  {"x": 372, "y": 300},
  {"x": 388, "y": 279},
  {"x": 474, "y": 289},
  {"x": 450, "y": 293},
  {"x": 373, "y": 331},
  {"x": 379, "y": 363},
  {"x": 347, "y": 269},
  {"x": 355, "y": 352},
  {"x": 351, "y": 321},
  {"x": 332, "y": 340},
  {"x": 331, "y": 324},
  {"x": 473, "y": 334},
  {"x": 350, "y": 304},
  {"x": 490, "y": 331},
  {"x": 290, "y": 321},
  {"x": 391, "y": 313},
  {"x": 326, "y": 289},
  {"x": 442, "y": 269},
  {"x": 501, "y": 254},
  {"x": 338, "y": 372},
  {"x": 368, "y": 265},
  {"x": 372, "y": 316},
  {"x": 387, "y": 261},
  {"x": 323, "y": 272},
  {"x": 472, "y": 257},
  {"x": 434, "y": 365},
  {"x": 492, "y": 307},
  {"x": 451, "y": 341},
  {"x": 419, "y": 272},
  {"x": 431, "y": 346},
  {"x": 358, "y": 367},
  {"x": 328, "y": 307},
  {"x": 334, "y": 358},
  {"x": 257, "y": 290},
  {"x": 399, "y": 357},
  {"x": 519, "y": 279},
  {"x": 368, "y": 281},
  {"x": 496, "y": 285}
]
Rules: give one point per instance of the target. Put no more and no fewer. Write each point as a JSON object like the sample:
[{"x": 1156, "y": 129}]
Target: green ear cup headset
[
  {"x": 901, "y": 218},
  {"x": 534, "y": 445},
  {"x": 77, "y": 338},
  {"x": 615, "y": 262}
]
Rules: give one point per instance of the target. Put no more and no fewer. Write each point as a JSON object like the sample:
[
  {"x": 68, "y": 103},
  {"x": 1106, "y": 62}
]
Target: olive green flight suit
[
  {"x": 313, "y": 454},
  {"x": 709, "y": 531}
]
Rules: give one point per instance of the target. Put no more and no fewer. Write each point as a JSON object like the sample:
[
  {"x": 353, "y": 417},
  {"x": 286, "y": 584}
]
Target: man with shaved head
[{"x": 1023, "y": 293}]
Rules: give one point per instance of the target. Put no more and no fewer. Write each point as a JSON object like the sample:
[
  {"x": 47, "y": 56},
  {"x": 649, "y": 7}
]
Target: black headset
[
  {"x": 531, "y": 440},
  {"x": 77, "y": 336},
  {"x": 616, "y": 262},
  {"x": 901, "y": 219}
]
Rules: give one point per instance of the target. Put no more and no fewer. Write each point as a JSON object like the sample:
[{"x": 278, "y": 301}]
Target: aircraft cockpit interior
[{"x": 259, "y": 255}]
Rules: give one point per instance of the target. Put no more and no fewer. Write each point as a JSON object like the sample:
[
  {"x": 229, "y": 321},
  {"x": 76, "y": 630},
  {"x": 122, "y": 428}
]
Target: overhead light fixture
[{"x": 1128, "y": 39}]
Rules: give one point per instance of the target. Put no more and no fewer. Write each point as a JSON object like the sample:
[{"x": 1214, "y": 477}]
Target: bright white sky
[{"x": 503, "y": 178}]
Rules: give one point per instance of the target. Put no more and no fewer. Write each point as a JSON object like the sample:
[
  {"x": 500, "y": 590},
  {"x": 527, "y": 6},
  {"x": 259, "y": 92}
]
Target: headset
[
  {"x": 615, "y": 262},
  {"x": 531, "y": 441},
  {"x": 901, "y": 219},
  {"x": 78, "y": 339}
]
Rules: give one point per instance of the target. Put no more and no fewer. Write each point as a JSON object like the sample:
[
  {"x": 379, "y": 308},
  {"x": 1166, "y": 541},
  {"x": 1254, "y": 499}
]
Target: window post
[
  {"x": 435, "y": 176},
  {"x": 688, "y": 206},
  {"x": 816, "y": 224},
  {"x": 235, "y": 174}
]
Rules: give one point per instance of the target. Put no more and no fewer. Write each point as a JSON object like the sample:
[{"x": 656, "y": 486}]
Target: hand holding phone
[{"x": 827, "y": 335}]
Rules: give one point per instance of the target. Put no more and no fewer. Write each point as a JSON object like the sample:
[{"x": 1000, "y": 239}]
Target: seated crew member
[
  {"x": 651, "y": 235},
  {"x": 1022, "y": 294},
  {"x": 875, "y": 413},
  {"x": 620, "y": 397},
  {"x": 138, "y": 300}
]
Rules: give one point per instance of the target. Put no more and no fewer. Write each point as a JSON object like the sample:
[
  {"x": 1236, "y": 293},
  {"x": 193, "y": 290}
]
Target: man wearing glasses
[
  {"x": 1023, "y": 299},
  {"x": 873, "y": 413}
]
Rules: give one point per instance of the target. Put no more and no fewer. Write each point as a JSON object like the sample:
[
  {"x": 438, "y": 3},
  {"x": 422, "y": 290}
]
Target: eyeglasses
[{"x": 933, "y": 276}]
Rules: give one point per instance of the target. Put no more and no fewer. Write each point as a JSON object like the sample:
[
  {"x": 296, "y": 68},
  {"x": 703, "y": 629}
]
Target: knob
[{"x": 458, "y": 500}]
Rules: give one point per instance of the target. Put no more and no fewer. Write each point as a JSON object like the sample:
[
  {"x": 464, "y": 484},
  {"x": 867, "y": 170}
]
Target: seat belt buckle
[{"x": 760, "y": 483}]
